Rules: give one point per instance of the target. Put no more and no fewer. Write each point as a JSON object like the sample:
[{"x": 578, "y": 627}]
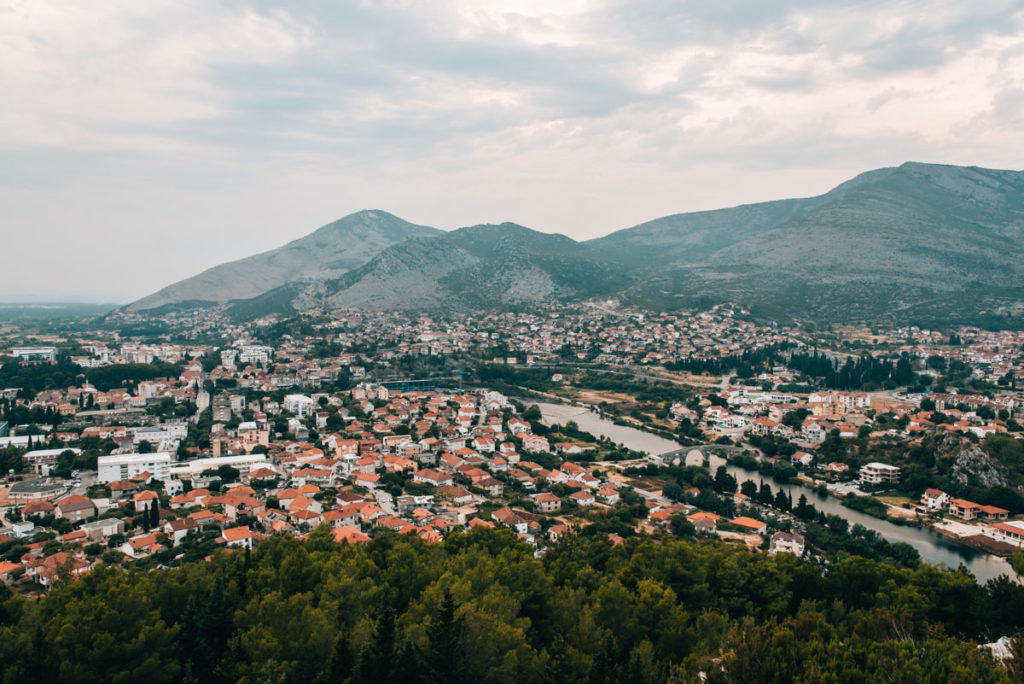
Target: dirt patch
[
  {"x": 752, "y": 541},
  {"x": 595, "y": 397},
  {"x": 989, "y": 545},
  {"x": 898, "y": 512},
  {"x": 650, "y": 484},
  {"x": 861, "y": 334}
]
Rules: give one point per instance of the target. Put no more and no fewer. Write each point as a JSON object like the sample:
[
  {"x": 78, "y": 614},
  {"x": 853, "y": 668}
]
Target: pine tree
[
  {"x": 446, "y": 638},
  {"x": 376, "y": 661}
]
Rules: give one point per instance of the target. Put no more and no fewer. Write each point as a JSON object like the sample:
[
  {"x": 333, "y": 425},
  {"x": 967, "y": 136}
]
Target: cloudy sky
[{"x": 141, "y": 142}]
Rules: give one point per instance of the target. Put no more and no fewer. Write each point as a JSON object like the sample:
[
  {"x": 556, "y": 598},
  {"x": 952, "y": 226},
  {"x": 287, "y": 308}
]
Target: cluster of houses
[
  {"x": 419, "y": 461},
  {"x": 416, "y": 462},
  {"x": 937, "y": 501}
]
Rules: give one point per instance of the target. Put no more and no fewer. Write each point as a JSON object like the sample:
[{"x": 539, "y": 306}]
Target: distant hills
[
  {"x": 923, "y": 242},
  {"x": 327, "y": 252}
]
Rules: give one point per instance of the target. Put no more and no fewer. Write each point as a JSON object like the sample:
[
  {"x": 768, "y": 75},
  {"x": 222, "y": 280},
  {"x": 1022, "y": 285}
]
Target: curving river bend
[{"x": 932, "y": 547}]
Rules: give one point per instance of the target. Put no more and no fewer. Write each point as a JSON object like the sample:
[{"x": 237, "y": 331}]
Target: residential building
[
  {"x": 963, "y": 509},
  {"x": 879, "y": 473},
  {"x": 934, "y": 499},
  {"x": 786, "y": 542},
  {"x": 128, "y": 466},
  {"x": 546, "y": 502}
]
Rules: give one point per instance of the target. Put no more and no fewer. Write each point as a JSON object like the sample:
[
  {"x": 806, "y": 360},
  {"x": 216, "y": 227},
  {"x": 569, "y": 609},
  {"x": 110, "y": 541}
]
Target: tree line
[{"x": 480, "y": 607}]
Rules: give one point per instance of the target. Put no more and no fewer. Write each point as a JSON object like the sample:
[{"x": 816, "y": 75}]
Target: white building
[
  {"x": 256, "y": 354},
  {"x": 43, "y": 460},
  {"x": 160, "y": 433},
  {"x": 127, "y": 466},
  {"x": 242, "y": 463},
  {"x": 34, "y": 353},
  {"x": 935, "y": 499},
  {"x": 879, "y": 473},
  {"x": 299, "y": 404},
  {"x": 786, "y": 542}
]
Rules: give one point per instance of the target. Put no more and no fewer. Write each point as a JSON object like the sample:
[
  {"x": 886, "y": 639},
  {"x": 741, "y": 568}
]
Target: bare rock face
[{"x": 971, "y": 465}]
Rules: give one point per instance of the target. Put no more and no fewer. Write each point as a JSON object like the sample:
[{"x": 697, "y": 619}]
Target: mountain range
[{"x": 919, "y": 242}]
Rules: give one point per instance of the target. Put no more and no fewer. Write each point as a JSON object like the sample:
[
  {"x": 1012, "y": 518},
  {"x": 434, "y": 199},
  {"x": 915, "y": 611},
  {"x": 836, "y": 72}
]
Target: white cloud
[{"x": 216, "y": 129}]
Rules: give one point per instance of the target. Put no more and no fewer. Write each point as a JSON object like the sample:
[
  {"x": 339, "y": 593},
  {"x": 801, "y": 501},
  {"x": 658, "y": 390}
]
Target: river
[{"x": 932, "y": 547}]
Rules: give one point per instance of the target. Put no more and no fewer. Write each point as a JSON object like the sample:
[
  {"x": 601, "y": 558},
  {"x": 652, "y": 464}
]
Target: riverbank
[
  {"x": 932, "y": 547},
  {"x": 869, "y": 505},
  {"x": 979, "y": 541}
]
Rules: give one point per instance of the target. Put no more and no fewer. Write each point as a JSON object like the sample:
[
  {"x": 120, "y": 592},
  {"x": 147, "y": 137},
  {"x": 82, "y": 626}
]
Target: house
[
  {"x": 349, "y": 535},
  {"x": 141, "y": 546},
  {"x": 508, "y": 518},
  {"x": 177, "y": 530},
  {"x": 536, "y": 443},
  {"x": 1010, "y": 532},
  {"x": 557, "y": 531},
  {"x": 49, "y": 569},
  {"x": 518, "y": 426},
  {"x": 994, "y": 513},
  {"x": 750, "y": 524},
  {"x": 583, "y": 498},
  {"x": 492, "y": 486},
  {"x": 7, "y": 569},
  {"x": 803, "y": 458},
  {"x": 144, "y": 499},
  {"x": 433, "y": 477},
  {"x": 935, "y": 499},
  {"x": 40, "y": 508},
  {"x": 786, "y": 542},
  {"x": 546, "y": 502},
  {"x": 75, "y": 508},
  {"x": 98, "y": 530},
  {"x": 813, "y": 432},
  {"x": 239, "y": 536},
  {"x": 339, "y": 517},
  {"x": 458, "y": 495},
  {"x": 704, "y": 522},
  {"x": 608, "y": 494},
  {"x": 368, "y": 480},
  {"x": 963, "y": 509},
  {"x": 74, "y": 537}
]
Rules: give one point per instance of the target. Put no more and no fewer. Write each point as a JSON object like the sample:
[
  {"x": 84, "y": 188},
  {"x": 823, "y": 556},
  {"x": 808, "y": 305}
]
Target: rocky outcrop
[{"x": 971, "y": 465}]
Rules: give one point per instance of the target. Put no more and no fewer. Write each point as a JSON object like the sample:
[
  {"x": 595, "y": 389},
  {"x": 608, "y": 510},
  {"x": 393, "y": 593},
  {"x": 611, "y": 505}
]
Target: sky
[{"x": 142, "y": 142}]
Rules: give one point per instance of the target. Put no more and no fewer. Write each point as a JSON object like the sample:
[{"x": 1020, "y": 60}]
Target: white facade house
[
  {"x": 299, "y": 404},
  {"x": 786, "y": 542},
  {"x": 935, "y": 499},
  {"x": 127, "y": 466}
]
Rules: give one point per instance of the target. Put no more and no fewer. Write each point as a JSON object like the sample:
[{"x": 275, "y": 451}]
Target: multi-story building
[
  {"x": 299, "y": 404},
  {"x": 221, "y": 408},
  {"x": 126, "y": 466},
  {"x": 34, "y": 353},
  {"x": 879, "y": 473}
]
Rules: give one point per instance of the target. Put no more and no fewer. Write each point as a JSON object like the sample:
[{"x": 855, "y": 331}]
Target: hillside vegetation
[{"x": 480, "y": 608}]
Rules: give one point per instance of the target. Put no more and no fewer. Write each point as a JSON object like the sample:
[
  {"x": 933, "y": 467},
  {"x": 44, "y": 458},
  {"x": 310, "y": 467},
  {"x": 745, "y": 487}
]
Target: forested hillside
[{"x": 480, "y": 608}]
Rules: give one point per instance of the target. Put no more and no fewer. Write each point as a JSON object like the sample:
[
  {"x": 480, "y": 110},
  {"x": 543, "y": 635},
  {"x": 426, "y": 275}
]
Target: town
[{"x": 156, "y": 448}]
